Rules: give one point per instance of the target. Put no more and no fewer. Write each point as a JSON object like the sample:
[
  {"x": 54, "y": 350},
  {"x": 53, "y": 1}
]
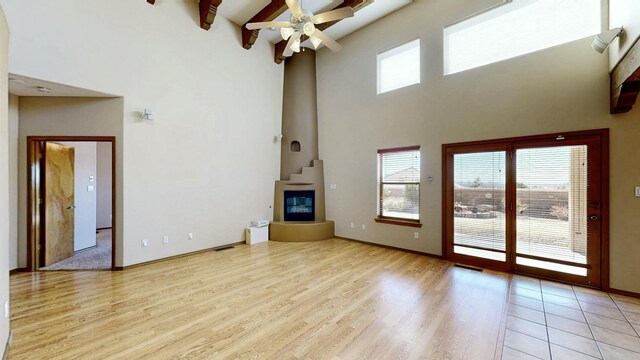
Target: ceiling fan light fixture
[
  {"x": 315, "y": 41},
  {"x": 286, "y": 32},
  {"x": 308, "y": 28},
  {"x": 295, "y": 47},
  {"x": 303, "y": 22}
]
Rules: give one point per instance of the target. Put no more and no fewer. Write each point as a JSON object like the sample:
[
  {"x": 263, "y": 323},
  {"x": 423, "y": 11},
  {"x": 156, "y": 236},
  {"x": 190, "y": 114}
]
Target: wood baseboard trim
[
  {"x": 129, "y": 267},
  {"x": 18, "y": 270},
  {"x": 624, "y": 293},
  {"x": 393, "y": 248}
]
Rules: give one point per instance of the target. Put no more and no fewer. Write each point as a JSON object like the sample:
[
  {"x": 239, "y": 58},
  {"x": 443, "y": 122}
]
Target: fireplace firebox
[{"x": 299, "y": 205}]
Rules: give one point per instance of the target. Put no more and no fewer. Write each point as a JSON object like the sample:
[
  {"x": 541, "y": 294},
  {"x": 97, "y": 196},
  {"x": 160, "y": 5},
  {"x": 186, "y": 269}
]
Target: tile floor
[{"x": 548, "y": 320}]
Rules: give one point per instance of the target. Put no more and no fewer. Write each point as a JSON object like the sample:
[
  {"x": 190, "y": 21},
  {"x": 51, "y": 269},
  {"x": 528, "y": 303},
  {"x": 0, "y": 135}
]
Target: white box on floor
[{"x": 255, "y": 235}]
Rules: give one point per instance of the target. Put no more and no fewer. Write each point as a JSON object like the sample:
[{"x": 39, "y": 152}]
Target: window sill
[{"x": 398, "y": 222}]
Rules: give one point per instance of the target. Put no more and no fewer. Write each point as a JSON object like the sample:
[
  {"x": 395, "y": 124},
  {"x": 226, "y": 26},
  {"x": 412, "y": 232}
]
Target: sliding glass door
[
  {"x": 530, "y": 205},
  {"x": 479, "y": 222}
]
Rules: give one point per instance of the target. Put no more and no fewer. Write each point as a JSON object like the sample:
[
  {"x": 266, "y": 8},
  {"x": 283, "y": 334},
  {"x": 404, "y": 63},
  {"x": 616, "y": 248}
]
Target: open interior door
[{"x": 59, "y": 202}]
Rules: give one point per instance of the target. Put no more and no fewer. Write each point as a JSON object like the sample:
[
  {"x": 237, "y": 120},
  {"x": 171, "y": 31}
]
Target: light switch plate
[
  {"x": 165, "y": 240},
  {"x": 90, "y": 188},
  {"x": 637, "y": 191}
]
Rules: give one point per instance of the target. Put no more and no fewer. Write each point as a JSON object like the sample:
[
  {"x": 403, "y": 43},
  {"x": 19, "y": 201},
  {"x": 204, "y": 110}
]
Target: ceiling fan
[{"x": 304, "y": 23}]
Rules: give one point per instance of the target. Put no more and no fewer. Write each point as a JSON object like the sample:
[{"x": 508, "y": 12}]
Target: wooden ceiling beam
[
  {"x": 625, "y": 81},
  {"x": 208, "y": 12},
  {"x": 274, "y": 9},
  {"x": 354, "y": 4}
]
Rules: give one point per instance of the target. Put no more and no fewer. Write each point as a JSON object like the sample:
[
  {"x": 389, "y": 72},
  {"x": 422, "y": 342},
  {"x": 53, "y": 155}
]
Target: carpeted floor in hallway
[{"x": 95, "y": 258}]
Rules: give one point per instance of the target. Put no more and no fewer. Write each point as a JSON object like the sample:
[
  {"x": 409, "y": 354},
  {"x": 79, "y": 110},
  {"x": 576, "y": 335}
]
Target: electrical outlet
[
  {"x": 363, "y": 227},
  {"x": 637, "y": 191},
  {"x": 333, "y": 186},
  {"x": 6, "y": 309},
  {"x": 145, "y": 243},
  {"x": 190, "y": 236},
  {"x": 165, "y": 240},
  {"x": 416, "y": 235},
  {"x": 353, "y": 225}
]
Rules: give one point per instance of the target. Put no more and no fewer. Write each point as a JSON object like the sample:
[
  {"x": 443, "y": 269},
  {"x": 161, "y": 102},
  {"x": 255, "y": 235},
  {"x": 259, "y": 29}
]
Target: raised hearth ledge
[{"x": 301, "y": 231}]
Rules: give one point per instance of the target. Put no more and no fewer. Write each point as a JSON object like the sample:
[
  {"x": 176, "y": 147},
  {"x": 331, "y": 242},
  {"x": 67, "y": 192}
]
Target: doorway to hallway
[{"x": 71, "y": 197}]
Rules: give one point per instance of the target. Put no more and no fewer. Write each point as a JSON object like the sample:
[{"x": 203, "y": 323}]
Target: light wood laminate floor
[{"x": 334, "y": 299}]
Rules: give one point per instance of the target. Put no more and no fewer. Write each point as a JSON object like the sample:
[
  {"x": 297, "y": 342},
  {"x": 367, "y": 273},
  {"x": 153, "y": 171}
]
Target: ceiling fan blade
[
  {"x": 294, "y": 6},
  {"x": 268, "y": 24},
  {"x": 327, "y": 41},
  {"x": 288, "y": 51},
  {"x": 333, "y": 15}
]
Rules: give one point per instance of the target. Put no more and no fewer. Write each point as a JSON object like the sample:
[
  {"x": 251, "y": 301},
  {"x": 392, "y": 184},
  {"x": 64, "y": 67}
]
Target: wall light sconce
[
  {"x": 147, "y": 114},
  {"x": 602, "y": 41}
]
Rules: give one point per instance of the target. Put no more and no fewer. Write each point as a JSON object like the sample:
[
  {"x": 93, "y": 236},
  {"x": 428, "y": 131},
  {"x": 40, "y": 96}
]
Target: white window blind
[
  {"x": 399, "y": 183},
  {"x": 399, "y": 67},
  {"x": 552, "y": 198},
  {"x": 518, "y": 28},
  {"x": 479, "y": 181}
]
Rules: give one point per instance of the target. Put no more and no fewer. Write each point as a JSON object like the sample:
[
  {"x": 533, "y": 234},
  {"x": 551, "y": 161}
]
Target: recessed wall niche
[{"x": 295, "y": 146}]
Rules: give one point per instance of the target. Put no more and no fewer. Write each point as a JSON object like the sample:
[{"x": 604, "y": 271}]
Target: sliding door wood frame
[
  {"x": 448, "y": 152},
  {"x": 35, "y": 188},
  {"x": 507, "y": 144}
]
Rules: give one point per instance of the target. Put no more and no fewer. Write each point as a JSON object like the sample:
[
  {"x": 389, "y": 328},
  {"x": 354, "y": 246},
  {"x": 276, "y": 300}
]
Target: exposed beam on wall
[
  {"x": 208, "y": 12},
  {"x": 625, "y": 81},
  {"x": 355, "y": 4},
  {"x": 274, "y": 9}
]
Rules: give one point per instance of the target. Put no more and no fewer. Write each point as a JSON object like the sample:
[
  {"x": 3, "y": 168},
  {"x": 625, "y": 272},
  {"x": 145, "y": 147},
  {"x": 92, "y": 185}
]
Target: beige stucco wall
[
  {"x": 4, "y": 181},
  {"x": 561, "y": 89},
  {"x": 299, "y": 113},
  {"x": 207, "y": 164},
  {"x": 623, "y": 13},
  {"x": 13, "y": 180},
  {"x": 104, "y": 186}
]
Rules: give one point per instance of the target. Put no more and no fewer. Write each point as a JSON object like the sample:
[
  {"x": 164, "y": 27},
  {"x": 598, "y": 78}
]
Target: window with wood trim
[{"x": 399, "y": 184}]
